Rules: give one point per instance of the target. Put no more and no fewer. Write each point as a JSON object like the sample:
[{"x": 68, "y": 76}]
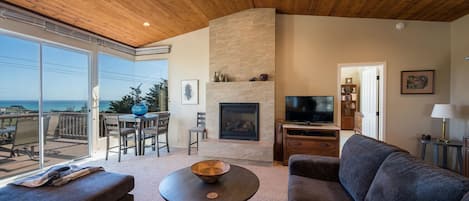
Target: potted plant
[{"x": 139, "y": 108}]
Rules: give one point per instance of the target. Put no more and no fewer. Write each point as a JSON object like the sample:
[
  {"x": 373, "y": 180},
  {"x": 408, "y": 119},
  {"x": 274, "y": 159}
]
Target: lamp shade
[{"x": 446, "y": 111}]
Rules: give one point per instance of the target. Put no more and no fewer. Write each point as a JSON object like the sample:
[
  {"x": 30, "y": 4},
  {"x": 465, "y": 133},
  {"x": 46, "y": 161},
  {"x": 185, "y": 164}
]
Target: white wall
[
  {"x": 309, "y": 48},
  {"x": 459, "y": 77},
  {"x": 189, "y": 59},
  {"x": 353, "y": 72}
]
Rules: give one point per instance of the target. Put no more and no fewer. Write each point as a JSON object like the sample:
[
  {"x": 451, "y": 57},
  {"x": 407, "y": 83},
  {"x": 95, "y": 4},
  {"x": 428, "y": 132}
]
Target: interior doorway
[{"x": 361, "y": 102}]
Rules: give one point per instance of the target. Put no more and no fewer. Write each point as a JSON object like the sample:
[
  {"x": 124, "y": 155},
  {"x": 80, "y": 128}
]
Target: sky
[{"x": 65, "y": 72}]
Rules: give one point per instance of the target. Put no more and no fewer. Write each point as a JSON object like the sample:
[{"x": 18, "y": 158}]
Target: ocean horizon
[{"x": 54, "y": 105}]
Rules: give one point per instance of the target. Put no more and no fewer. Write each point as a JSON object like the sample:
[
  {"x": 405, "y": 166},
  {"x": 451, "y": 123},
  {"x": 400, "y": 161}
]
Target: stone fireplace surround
[
  {"x": 242, "y": 92},
  {"x": 242, "y": 45}
]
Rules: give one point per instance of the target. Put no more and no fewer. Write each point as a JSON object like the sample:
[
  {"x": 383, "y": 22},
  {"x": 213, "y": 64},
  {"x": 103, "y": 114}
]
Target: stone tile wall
[{"x": 242, "y": 45}]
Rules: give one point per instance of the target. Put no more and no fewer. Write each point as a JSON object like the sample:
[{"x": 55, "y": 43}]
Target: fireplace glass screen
[{"x": 239, "y": 121}]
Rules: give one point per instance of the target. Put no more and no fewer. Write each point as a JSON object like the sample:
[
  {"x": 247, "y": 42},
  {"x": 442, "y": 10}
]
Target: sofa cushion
[
  {"x": 402, "y": 177},
  {"x": 102, "y": 186},
  {"x": 307, "y": 189},
  {"x": 314, "y": 166},
  {"x": 361, "y": 158}
]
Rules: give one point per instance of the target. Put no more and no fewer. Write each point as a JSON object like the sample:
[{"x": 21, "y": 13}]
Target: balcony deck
[
  {"x": 56, "y": 151},
  {"x": 66, "y": 139}
]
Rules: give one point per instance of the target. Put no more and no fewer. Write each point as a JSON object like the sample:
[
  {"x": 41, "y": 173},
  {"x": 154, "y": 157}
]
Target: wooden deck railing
[
  {"x": 72, "y": 125},
  {"x": 10, "y": 119}
]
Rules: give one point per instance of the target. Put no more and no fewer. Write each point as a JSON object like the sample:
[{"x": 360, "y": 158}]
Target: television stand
[
  {"x": 314, "y": 140},
  {"x": 307, "y": 123}
]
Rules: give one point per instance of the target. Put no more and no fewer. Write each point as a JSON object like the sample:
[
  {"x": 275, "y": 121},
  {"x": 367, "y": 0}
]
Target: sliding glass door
[
  {"x": 65, "y": 104},
  {"x": 19, "y": 106},
  {"x": 43, "y": 104}
]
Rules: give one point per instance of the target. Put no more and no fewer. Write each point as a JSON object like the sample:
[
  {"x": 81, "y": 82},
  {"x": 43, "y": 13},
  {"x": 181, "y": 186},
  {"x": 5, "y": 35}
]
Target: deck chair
[{"x": 26, "y": 138}]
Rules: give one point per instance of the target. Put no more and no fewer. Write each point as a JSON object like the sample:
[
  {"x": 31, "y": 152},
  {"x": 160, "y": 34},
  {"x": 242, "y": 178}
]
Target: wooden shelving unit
[{"x": 349, "y": 105}]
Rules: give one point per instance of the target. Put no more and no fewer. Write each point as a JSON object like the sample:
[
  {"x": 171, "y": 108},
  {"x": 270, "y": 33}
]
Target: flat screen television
[{"x": 309, "y": 109}]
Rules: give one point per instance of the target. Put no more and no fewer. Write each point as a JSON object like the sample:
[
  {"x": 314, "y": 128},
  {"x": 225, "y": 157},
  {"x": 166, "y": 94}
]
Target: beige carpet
[{"x": 149, "y": 170}]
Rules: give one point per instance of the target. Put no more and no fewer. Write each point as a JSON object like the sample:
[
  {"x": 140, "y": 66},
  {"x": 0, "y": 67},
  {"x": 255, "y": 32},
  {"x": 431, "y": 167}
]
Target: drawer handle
[{"x": 324, "y": 145}]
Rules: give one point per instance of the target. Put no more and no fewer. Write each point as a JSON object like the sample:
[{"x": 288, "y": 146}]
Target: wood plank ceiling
[{"x": 122, "y": 20}]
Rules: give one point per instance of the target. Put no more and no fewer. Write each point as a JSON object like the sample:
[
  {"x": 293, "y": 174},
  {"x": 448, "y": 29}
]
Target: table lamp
[{"x": 443, "y": 111}]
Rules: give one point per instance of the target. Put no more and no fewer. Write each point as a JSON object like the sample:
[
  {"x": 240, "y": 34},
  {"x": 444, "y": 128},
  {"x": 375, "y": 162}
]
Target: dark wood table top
[{"x": 237, "y": 185}]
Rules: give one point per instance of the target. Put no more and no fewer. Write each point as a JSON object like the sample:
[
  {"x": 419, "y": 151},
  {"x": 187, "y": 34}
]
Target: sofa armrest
[{"x": 313, "y": 166}]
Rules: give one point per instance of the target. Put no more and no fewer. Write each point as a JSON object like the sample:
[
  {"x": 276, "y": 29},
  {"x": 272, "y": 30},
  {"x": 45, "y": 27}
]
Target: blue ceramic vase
[{"x": 139, "y": 109}]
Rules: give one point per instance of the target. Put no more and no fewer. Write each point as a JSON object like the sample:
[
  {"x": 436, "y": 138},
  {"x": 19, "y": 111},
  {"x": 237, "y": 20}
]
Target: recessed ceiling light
[{"x": 146, "y": 24}]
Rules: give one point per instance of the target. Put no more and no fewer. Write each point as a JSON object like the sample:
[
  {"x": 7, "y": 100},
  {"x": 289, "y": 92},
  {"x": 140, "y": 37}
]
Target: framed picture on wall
[
  {"x": 190, "y": 92},
  {"x": 418, "y": 82},
  {"x": 348, "y": 80}
]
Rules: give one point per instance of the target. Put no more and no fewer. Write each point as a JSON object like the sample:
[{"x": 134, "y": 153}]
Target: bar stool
[
  {"x": 199, "y": 129},
  {"x": 159, "y": 128},
  {"x": 112, "y": 126}
]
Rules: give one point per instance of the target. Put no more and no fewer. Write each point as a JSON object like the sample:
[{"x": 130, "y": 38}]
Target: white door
[{"x": 369, "y": 102}]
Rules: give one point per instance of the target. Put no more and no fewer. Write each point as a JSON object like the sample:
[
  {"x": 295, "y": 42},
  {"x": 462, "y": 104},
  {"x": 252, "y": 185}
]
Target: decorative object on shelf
[
  {"x": 418, "y": 82},
  {"x": 221, "y": 77},
  {"x": 443, "y": 111},
  {"x": 210, "y": 170},
  {"x": 226, "y": 78},
  {"x": 348, "y": 80},
  {"x": 190, "y": 92},
  {"x": 263, "y": 77},
  {"x": 139, "y": 108},
  {"x": 215, "y": 77},
  {"x": 253, "y": 79}
]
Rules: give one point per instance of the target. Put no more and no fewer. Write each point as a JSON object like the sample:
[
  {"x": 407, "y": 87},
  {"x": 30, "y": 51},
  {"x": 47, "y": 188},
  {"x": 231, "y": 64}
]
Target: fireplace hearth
[{"x": 239, "y": 121}]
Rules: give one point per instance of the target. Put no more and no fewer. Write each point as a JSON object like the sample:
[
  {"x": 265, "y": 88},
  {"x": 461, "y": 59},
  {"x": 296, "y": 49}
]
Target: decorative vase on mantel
[{"x": 139, "y": 109}]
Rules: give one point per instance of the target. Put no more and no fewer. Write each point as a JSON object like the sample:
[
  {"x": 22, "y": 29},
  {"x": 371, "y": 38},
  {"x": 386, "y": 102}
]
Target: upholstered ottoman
[{"x": 99, "y": 186}]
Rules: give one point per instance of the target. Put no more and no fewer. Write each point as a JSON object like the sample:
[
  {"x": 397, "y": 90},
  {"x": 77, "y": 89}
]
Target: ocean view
[{"x": 54, "y": 105}]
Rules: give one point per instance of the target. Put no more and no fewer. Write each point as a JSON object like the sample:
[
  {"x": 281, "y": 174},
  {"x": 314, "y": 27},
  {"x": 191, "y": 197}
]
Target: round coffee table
[{"x": 236, "y": 185}]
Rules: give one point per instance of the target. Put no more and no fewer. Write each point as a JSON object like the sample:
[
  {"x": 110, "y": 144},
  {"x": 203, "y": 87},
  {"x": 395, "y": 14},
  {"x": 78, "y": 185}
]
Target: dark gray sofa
[
  {"x": 369, "y": 170},
  {"x": 99, "y": 186}
]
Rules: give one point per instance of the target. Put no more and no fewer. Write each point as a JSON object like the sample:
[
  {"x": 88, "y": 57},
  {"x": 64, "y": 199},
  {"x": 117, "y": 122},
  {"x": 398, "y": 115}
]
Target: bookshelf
[{"x": 349, "y": 105}]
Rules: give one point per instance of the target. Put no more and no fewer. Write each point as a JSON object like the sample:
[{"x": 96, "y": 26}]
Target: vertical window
[
  {"x": 65, "y": 104},
  {"x": 117, "y": 77},
  {"x": 19, "y": 105}
]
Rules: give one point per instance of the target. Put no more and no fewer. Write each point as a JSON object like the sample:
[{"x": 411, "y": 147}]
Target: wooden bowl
[{"x": 210, "y": 170}]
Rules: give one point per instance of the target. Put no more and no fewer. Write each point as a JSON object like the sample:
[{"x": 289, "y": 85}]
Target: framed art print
[
  {"x": 348, "y": 80},
  {"x": 418, "y": 82},
  {"x": 190, "y": 92}
]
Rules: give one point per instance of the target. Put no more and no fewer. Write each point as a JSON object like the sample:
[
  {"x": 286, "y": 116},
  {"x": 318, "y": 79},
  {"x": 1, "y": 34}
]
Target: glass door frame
[{"x": 90, "y": 54}]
